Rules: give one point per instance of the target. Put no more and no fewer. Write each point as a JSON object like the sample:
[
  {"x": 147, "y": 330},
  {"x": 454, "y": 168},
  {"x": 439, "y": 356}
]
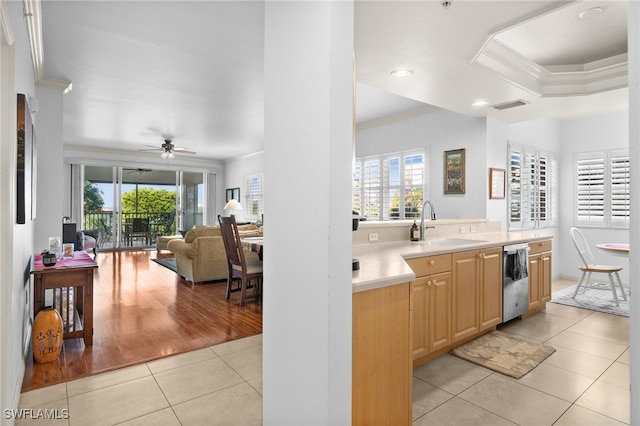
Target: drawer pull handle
[{"x": 432, "y": 262}]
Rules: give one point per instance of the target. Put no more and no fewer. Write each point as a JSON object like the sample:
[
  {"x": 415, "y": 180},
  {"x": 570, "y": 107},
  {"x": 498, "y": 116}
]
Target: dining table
[
  {"x": 255, "y": 244},
  {"x": 616, "y": 249}
]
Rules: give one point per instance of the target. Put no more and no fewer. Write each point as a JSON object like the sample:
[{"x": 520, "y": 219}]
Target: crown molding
[
  {"x": 51, "y": 83},
  {"x": 33, "y": 19},
  {"x": 5, "y": 24},
  {"x": 566, "y": 80}
]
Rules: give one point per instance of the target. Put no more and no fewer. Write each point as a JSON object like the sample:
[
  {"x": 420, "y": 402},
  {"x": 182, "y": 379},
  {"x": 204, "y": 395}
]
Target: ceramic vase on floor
[{"x": 46, "y": 337}]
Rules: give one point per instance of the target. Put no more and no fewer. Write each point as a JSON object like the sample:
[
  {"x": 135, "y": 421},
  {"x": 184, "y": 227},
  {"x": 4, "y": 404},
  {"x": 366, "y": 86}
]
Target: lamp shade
[{"x": 232, "y": 204}]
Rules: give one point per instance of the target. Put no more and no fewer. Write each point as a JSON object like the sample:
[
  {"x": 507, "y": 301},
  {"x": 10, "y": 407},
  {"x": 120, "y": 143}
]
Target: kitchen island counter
[{"x": 384, "y": 264}]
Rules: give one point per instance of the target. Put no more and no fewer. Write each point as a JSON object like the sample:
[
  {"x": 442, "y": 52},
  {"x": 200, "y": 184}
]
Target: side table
[{"x": 71, "y": 280}]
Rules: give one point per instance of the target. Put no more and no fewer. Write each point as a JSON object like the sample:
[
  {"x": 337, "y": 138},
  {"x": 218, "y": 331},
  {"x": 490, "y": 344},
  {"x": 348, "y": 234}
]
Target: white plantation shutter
[
  {"x": 602, "y": 189},
  {"x": 414, "y": 178},
  {"x": 620, "y": 183},
  {"x": 371, "y": 189},
  {"x": 590, "y": 190},
  {"x": 389, "y": 187},
  {"x": 253, "y": 205},
  {"x": 532, "y": 194}
]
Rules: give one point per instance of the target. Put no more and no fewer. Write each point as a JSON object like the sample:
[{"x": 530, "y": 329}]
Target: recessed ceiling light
[
  {"x": 590, "y": 13},
  {"x": 479, "y": 103},
  {"x": 401, "y": 73}
]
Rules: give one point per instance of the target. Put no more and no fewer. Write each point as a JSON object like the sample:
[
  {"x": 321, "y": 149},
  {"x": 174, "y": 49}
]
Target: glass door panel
[
  {"x": 99, "y": 199},
  {"x": 191, "y": 199}
]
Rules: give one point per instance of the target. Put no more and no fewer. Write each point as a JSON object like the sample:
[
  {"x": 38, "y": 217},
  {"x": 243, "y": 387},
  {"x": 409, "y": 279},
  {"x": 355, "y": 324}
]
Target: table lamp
[{"x": 232, "y": 205}]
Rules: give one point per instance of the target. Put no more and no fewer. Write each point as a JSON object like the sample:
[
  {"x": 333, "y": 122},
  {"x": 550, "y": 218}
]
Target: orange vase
[{"x": 46, "y": 337}]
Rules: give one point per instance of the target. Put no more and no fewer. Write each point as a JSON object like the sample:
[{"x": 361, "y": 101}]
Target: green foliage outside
[
  {"x": 149, "y": 200},
  {"x": 93, "y": 201},
  {"x": 412, "y": 203}
]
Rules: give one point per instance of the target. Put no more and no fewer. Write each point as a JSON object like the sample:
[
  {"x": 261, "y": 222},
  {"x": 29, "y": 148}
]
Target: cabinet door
[
  {"x": 439, "y": 316},
  {"x": 465, "y": 289},
  {"x": 491, "y": 287},
  {"x": 381, "y": 379},
  {"x": 420, "y": 317},
  {"x": 534, "y": 281},
  {"x": 545, "y": 277}
]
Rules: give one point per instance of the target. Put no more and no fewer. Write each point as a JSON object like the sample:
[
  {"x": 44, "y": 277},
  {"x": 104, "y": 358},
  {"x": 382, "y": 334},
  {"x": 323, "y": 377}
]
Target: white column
[
  {"x": 308, "y": 155},
  {"x": 634, "y": 152},
  {"x": 53, "y": 190}
]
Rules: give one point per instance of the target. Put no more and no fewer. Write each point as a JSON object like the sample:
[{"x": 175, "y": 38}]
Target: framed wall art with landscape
[{"x": 454, "y": 172}]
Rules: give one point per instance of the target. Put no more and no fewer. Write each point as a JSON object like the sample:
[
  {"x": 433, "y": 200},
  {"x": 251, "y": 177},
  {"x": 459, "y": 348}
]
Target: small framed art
[
  {"x": 454, "y": 171},
  {"x": 496, "y": 183}
]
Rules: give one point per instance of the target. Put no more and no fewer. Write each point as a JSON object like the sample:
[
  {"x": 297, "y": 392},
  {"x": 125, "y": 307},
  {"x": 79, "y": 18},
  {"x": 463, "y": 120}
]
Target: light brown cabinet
[
  {"x": 381, "y": 363},
  {"x": 491, "y": 288},
  {"x": 431, "y": 292},
  {"x": 432, "y": 314},
  {"x": 465, "y": 294},
  {"x": 539, "y": 275},
  {"x": 455, "y": 297},
  {"x": 477, "y": 291}
]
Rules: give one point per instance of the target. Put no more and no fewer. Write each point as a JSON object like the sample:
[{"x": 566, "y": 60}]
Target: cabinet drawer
[
  {"x": 540, "y": 246},
  {"x": 430, "y": 265}
]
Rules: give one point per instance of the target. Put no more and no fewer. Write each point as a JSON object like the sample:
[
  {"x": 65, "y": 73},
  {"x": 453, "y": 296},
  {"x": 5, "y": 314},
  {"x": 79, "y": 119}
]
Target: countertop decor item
[
  {"x": 46, "y": 339},
  {"x": 49, "y": 259}
]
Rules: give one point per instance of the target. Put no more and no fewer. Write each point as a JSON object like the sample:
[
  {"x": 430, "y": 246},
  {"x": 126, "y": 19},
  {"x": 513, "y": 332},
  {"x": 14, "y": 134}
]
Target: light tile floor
[{"x": 585, "y": 382}]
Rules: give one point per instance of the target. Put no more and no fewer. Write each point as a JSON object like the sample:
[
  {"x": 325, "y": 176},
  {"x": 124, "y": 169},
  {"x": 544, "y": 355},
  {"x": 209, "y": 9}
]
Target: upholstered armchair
[
  {"x": 88, "y": 239},
  {"x": 200, "y": 255}
]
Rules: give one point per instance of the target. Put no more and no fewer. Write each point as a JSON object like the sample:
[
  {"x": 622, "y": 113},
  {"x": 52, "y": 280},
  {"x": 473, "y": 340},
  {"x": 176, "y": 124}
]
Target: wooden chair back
[
  {"x": 232, "y": 243},
  {"x": 140, "y": 224}
]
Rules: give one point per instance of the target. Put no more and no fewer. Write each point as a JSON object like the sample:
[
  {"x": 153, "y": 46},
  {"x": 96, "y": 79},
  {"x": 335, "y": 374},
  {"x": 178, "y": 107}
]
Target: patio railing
[{"x": 161, "y": 223}]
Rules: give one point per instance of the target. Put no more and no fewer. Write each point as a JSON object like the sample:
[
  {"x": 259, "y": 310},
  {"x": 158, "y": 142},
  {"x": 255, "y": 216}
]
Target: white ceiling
[{"x": 193, "y": 70}]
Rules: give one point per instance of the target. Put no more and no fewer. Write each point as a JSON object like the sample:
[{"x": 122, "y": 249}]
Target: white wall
[
  {"x": 437, "y": 131},
  {"x": 51, "y": 181},
  {"x": 497, "y": 148},
  {"x": 587, "y": 135},
  {"x": 18, "y": 248},
  {"x": 236, "y": 169}
]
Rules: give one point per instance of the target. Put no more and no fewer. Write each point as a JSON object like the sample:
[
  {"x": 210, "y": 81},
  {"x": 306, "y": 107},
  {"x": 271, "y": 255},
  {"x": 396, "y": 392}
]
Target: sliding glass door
[{"x": 132, "y": 207}]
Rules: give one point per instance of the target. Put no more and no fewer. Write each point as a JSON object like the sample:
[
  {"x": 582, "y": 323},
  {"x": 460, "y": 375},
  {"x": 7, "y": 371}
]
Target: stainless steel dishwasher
[{"x": 515, "y": 281}]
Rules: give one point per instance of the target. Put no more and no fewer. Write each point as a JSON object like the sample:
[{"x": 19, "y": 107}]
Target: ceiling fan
[{"x": 168, "y": 150}]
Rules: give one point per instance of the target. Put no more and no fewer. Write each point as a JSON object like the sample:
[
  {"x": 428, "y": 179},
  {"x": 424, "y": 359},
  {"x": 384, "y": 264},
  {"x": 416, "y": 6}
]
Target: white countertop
[{"x": 383, "y": 264}]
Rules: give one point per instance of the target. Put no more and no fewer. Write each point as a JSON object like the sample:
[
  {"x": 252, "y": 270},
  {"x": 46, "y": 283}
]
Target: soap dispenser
[{"x": 415, "y": 232}]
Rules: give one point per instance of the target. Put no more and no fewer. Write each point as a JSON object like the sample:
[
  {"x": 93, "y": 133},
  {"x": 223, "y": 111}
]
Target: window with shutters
[
  {"x": 602, "y": 189},
  {"x": 532, "y": 188},
  {"x": 253, "y": 206},
  {"x": 390, "y": 186}
]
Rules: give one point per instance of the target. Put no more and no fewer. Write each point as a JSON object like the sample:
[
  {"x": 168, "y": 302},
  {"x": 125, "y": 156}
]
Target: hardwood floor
[{"x": 144, "y": 311}]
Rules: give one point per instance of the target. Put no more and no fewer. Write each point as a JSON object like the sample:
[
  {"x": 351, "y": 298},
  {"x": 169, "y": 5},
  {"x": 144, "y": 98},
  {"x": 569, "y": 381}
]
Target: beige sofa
[{"x": 200, "y": 256}]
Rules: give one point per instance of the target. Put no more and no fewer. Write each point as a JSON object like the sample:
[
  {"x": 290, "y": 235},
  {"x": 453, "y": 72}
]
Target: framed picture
[
  {"x": 67, "y": 249},
  {"x": 233, "y": 193},
  {"x": 55, "y": 245},
  {"x": 454, "y": 171},
  {"x": 496, "y": 183}
]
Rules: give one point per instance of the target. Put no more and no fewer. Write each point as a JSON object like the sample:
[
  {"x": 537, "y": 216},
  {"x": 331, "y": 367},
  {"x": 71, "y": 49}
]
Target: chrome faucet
[{"x": 432, "y": 215}]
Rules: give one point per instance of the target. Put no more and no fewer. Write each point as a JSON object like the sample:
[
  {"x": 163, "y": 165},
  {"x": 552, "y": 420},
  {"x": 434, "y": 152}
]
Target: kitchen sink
[{"x": 452, "y": 242}]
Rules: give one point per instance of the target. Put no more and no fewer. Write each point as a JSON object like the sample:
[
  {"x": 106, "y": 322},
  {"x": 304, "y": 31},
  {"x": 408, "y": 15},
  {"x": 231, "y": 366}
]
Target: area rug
[
  {"x": 167, "y": 262},
  {"x": 595, "y": 300},
  {"x": 505, "y": 353}
]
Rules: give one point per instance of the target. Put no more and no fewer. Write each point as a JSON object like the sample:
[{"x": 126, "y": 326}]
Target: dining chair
[
  {"x": 249, "y": 273},
  {"x": 140, "y": 228},
  {"x": 590, "y": 266}
]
